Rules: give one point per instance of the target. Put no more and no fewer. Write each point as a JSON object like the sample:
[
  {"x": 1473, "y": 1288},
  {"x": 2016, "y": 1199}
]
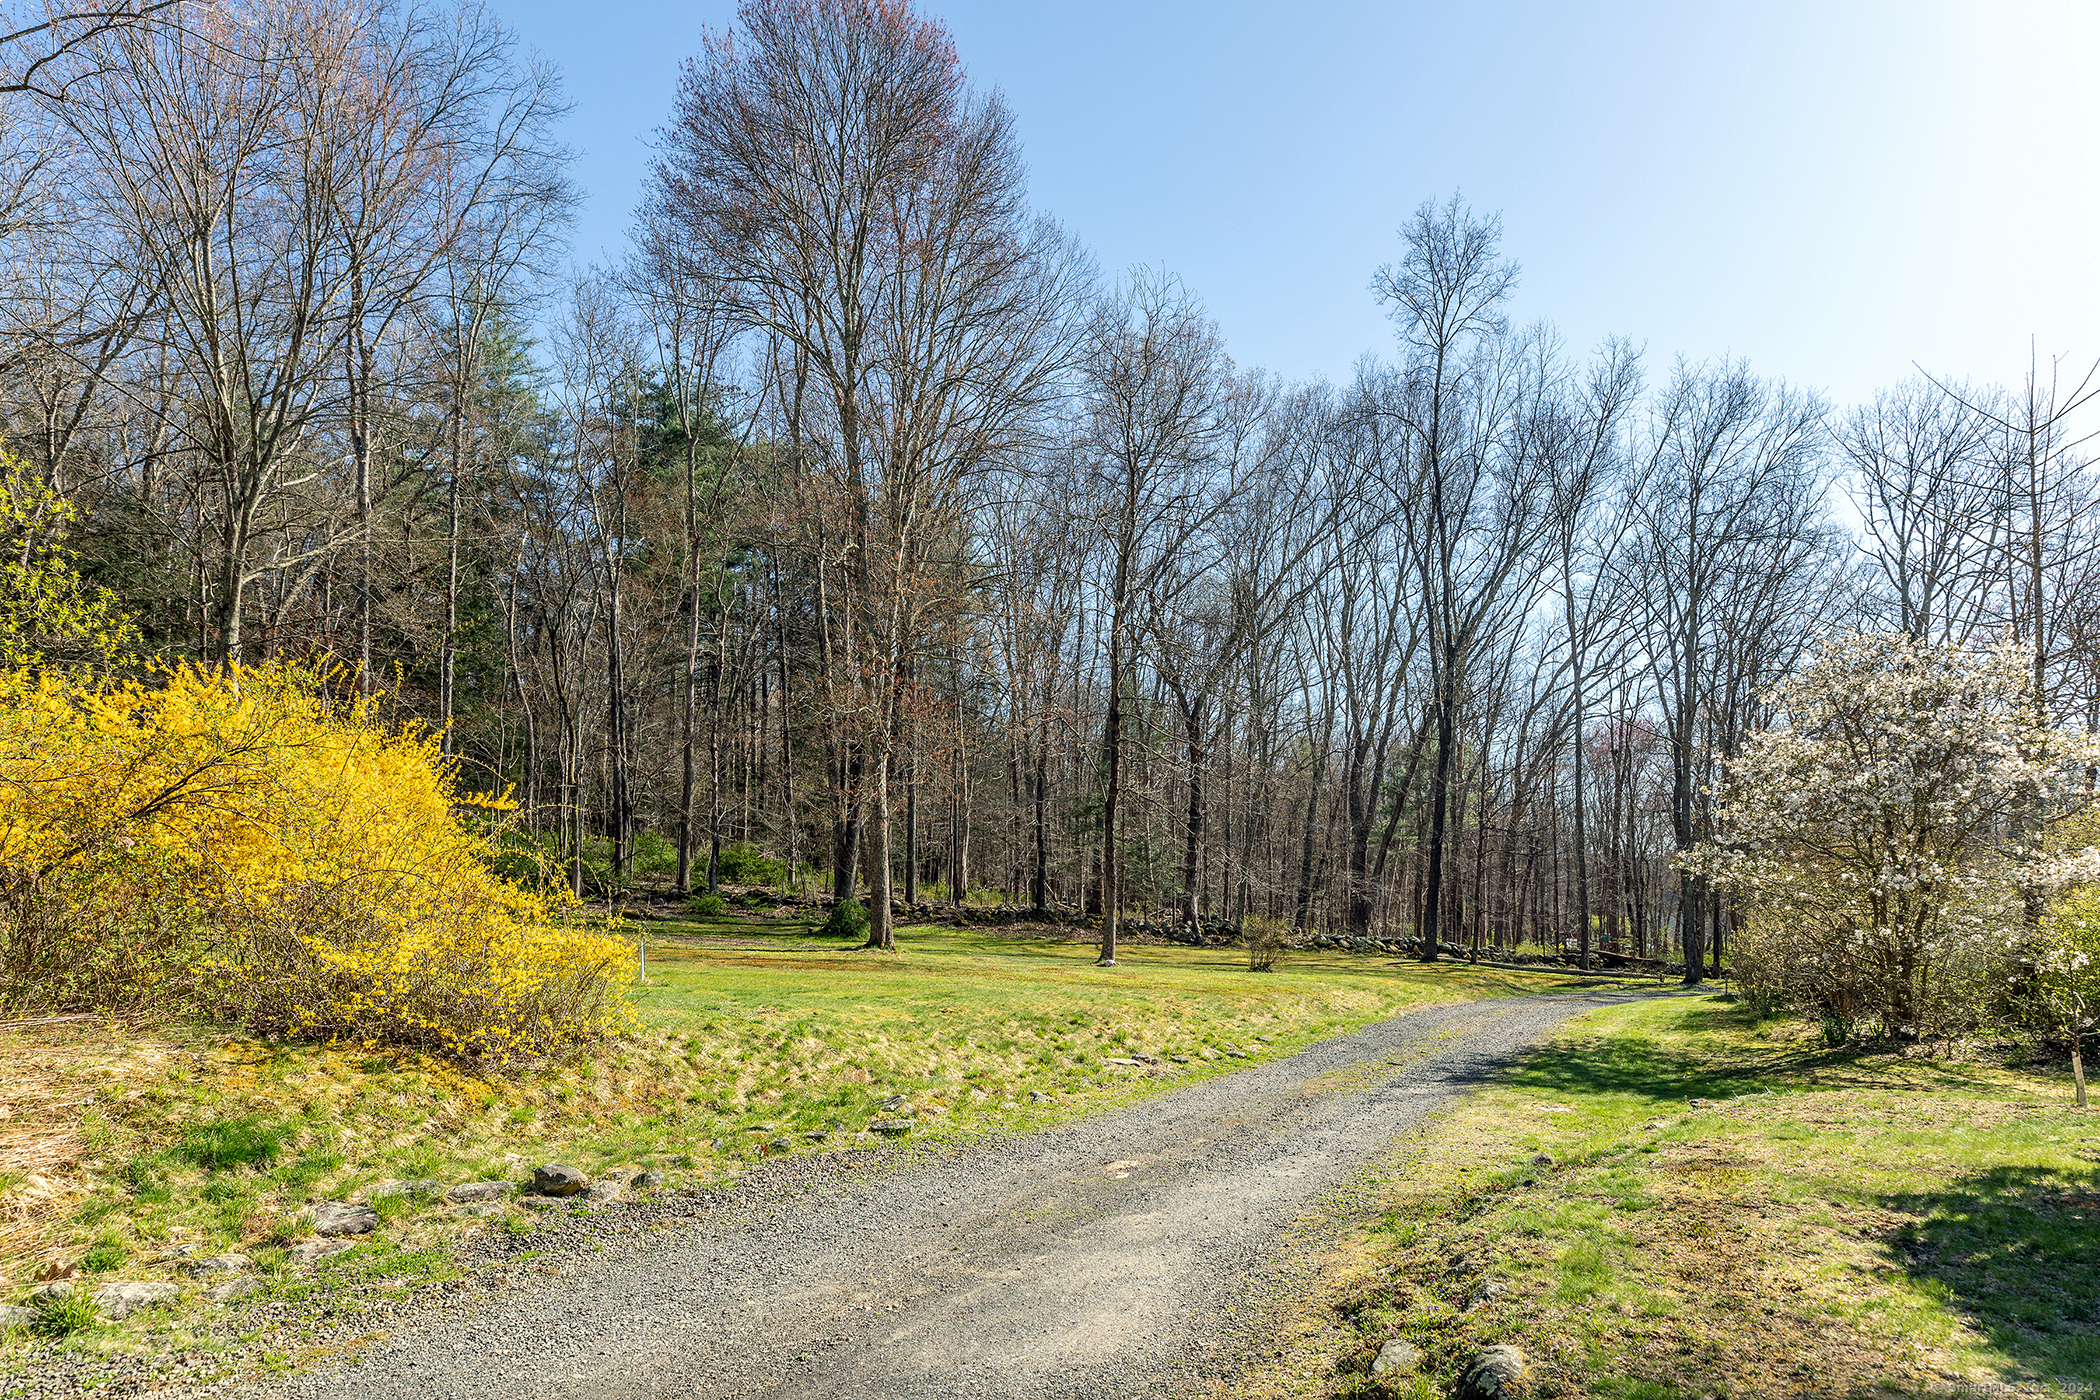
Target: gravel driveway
[{"x": 1118, "y": 1256}]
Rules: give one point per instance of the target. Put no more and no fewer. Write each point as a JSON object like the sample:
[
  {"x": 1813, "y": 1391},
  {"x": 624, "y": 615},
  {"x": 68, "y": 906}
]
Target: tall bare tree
[
  {"x": 1157, "y": 390},
  {"x": 1477, "y": 507}
]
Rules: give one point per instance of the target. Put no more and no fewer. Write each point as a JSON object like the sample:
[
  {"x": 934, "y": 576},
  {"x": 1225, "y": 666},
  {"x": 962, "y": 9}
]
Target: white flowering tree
[
  {"x": 1882, "y": 833},
  {"x": 2065, "y": 958},
  {"x": 2061, "y": 953}
]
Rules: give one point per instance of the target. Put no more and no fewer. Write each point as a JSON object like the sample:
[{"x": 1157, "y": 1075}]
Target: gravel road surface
[{"x": 1110, "y": 1257}]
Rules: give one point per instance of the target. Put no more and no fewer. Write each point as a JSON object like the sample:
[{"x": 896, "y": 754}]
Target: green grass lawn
[
  {"x": 757, "y": 1037},
  {"x": 1731, "y": 1209},
  {"x": 801, "y": 1032}
]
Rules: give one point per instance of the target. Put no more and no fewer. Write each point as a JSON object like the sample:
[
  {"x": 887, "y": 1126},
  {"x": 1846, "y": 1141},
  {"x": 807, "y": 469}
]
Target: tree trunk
[
  {"x": 1439, "y": 807},
  {"x": 1581, "y": 835},
  {"x": 882, "y": 931},
  {"x": 911, "y": 831},
  {"x": 451, "y": 647},
  {"x": 1110, "y": 795},
  {"x": 1041, "y": 889},
  {"x": 1192, "y": 847}
]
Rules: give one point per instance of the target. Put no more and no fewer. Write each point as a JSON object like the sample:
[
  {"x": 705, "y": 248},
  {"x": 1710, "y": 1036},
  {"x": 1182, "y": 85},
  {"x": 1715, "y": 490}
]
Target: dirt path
[{"x": 1105, "y": 1258}]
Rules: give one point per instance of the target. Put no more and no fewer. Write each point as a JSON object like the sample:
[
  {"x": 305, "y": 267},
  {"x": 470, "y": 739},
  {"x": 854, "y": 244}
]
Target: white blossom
[{"x": 1885, "y": 835}]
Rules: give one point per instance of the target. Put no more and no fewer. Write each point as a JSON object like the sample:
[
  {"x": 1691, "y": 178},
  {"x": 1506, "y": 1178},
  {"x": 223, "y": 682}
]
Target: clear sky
[{"x": 1832, "y": 190}]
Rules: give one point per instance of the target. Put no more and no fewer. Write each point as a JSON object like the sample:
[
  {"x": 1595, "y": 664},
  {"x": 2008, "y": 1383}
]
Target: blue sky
[{"x": 1831, "y": 190}]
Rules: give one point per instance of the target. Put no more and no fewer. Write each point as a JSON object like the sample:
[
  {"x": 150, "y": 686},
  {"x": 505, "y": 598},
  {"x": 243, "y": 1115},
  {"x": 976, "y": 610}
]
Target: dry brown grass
[{"x": 64, "y": 1077}]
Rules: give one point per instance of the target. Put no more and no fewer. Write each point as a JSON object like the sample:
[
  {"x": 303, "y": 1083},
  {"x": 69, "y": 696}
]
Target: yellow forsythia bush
[{"x": 241, "y": 844}]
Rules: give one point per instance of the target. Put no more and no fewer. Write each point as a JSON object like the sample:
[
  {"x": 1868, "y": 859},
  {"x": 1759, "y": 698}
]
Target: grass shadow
[
  {"x": 1708, "y": 1054},
  {"x": 2014, "y": 1248},
  {"x": 1665, "y": 1070}
]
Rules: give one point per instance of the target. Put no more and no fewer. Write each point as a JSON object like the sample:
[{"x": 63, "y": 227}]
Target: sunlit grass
[
  {"x": 1731, "y": 1208},
  {"x": 757, "y": 1037}
]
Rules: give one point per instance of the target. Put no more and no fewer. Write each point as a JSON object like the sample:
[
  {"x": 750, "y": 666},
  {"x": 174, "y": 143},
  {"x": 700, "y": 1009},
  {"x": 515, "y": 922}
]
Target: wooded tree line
[{"x": 856, "y": 518}]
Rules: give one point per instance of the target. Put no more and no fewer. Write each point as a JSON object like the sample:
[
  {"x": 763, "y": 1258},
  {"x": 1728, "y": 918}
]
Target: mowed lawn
[
  {"x": 790, "y": 1028},
  {"x": 122, "y": 1147},
  {"x": 1676, "y": 1199}
]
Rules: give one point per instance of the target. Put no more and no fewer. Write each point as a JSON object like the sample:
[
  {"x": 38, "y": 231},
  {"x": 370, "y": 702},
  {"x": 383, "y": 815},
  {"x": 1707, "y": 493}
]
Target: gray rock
[
  {"x": 1143, "y": 1058},
  {"x": 1544, "y": 1159},
  {"x": 342, "y": 1218},
  {"x": 1495, "y": 1374},
  {"x": 554, "y": 1179},
  {"x": 602, "y": 1192},
  {"x": 535, "y": 1202},
  {"x": 817, "y": 1135},
  {"x": 1397, "y": 1358},
  {"x": 1119, "y": 1060},
  {"x": 467, "y": 1191},
  {"x": 232, "y": 1290},
  {"x": 780, "y": 1145},
  {"x": 52, "y": 1292},
  {"x": 12, "y": 1316},
  {"x": 648, "y": 1181},
  {"x": 306, "y": 1251},
  {"x": 379, "y": 1189},
  {"x": 481, "y": 1210},
  {"x": 221, "y": 1264},
  {"x": 120, "y": 1300},
  {"x": 1465, "y": 1264},
  {"x": 892, "y": 1103},
  {"x": 890, "y": 1127},
  {"x": 1236, "y": 1054},
  {"x": 1179, "y": 1059},
  {"x": 1038, "y": 1096},
  {"x": 1487, "y": 1293}
]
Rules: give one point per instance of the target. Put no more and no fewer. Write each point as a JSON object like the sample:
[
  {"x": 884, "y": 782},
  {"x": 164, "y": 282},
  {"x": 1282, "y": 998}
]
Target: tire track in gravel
[{"x": 1105, "y": 1257}]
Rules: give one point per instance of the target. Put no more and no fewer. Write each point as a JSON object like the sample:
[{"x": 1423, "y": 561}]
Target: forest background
[{"x": 858, "y": 533}]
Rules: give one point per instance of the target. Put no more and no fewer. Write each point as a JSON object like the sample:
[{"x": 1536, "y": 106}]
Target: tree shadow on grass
[
  {"x": 1671, "y": 1070},
  {"x": 1662, "y": 1070},
  {"x": 2016, "y": 1250}
]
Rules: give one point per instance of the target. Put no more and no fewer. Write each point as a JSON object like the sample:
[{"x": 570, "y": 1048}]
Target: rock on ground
[
  {"x": 468, "y": 1191},
  {"x": 1497, "y": 1373},
  {"x": 342, "y": 1218},
  {"x": 118, "y": 1298},
  {"x": 1397, "y": 1357},
  {"x": 1487, "y": 1293},
  {"x": 554, "y": 1179},
  {"x": 306, "y": 1251},
  {"x": 403, "y": 1188}
]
